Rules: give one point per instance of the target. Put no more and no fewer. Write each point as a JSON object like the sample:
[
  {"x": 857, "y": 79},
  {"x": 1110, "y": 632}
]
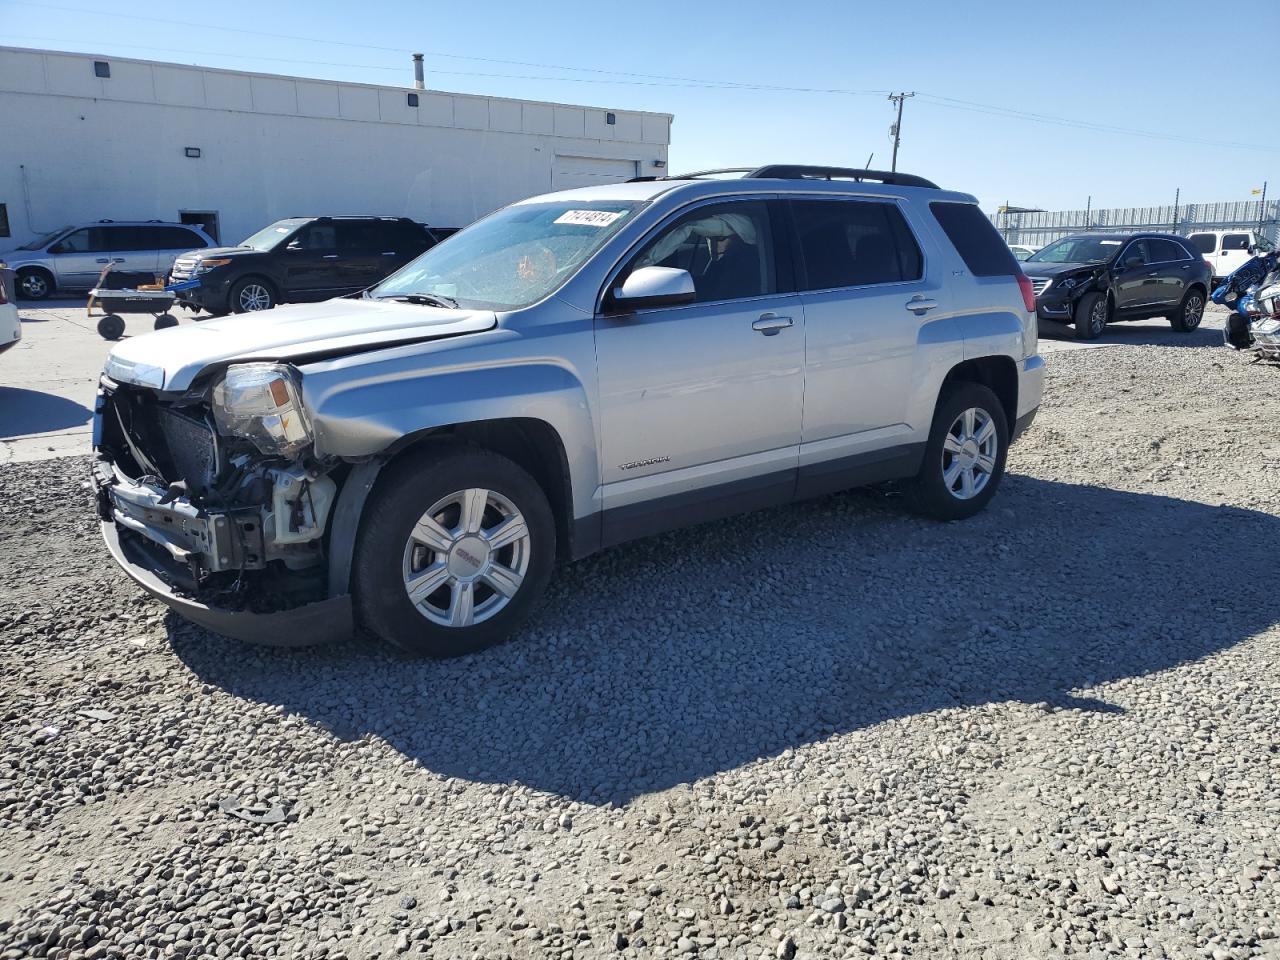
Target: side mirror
[
  {"x": 58, "y": 248},
  {"x": 1134, "y": 263},
  {"x": 1252, "y": 251},
  {"x": 655, "y": 287}
]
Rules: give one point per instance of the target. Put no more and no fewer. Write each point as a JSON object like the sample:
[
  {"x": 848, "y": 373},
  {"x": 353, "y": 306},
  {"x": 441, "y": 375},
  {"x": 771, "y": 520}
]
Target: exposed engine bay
[{"x": 212, "y": 505}]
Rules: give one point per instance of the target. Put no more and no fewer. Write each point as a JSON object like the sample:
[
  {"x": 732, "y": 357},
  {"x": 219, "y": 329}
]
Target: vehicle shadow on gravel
[
  {"x": 25, "y": 411},
  {"x": 1144, "y": 335},
  {"x": 674, "y": 658}
]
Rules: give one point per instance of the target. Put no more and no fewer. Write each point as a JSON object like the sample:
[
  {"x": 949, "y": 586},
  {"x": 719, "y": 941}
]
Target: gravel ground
[{"x": 821, "y": 731}]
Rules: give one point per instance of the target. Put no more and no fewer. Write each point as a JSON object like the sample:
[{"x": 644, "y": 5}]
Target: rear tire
[
  {"x": 1190, "y": 312},
  {"x": 251, "y": 295},
  {"x": 964, "y": 457},
  {"x": 35, "y": 284},
  {"x": 470, "y": 533},
  {"x": 1091, "y": 317},
  {"x": 165, "y": 321},
  {"x": 111, "y": 327}
]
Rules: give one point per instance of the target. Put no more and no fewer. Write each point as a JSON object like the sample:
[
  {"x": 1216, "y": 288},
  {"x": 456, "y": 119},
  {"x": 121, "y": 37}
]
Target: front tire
[
  {"x": 456, "y": 546},
  {"x": 251, "y": 295},
  {"x": 964, "y": 457},
  {"x": 1190, "y": 312},
  {"x": 1092, "y": 313},
  {"x": 34, "y": 284}
]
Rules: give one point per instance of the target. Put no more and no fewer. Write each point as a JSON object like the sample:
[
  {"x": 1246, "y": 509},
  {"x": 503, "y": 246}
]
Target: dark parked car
[
  {"x": 1091, "y": 279},
  {"x": 299, "y": 259}
]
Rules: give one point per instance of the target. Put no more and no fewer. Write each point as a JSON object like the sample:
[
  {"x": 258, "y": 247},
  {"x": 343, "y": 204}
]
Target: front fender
[{"x": 366, "y": 409}]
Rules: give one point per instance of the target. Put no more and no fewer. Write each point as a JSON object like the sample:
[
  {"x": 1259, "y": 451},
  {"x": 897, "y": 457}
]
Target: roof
[{"x": 650, "y": 189}]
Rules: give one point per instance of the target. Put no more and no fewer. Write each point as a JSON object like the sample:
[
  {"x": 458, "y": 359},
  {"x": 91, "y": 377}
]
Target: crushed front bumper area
[{"x": 157, "y": 544}]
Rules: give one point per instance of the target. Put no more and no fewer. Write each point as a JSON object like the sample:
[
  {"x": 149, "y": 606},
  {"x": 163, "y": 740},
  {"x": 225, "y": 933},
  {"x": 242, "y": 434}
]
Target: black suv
[
  {"x": 302, "y": 258},
  {"x": 1091, "y": 279}
]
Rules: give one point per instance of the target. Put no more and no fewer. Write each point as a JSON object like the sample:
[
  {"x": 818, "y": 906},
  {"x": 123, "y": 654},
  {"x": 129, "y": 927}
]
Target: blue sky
[{"x": 1159, "y": 67}]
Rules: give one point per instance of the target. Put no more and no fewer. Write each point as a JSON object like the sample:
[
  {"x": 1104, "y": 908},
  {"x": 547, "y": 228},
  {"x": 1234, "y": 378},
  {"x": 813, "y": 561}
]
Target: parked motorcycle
[{"x": 1252, "y": 292}]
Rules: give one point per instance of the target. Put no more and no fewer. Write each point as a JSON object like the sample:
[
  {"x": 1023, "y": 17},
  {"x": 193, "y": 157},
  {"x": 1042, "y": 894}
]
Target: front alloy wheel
[
  {"x": 456, "y": 545},
  {"x": 466, "y": 558},
  {"x": 33, "y": 285},
  {"x": 250, "y": 296}
]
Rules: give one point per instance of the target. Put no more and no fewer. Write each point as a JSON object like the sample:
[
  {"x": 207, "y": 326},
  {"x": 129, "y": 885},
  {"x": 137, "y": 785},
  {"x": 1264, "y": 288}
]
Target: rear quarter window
[
  {"x": 976, "y": 239},
  {"x": 1204, "y": 242}
]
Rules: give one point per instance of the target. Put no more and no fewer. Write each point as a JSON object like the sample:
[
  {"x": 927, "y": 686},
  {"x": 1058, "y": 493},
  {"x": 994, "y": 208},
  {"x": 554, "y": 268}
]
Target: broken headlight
[{"x": 262, "y": 402}]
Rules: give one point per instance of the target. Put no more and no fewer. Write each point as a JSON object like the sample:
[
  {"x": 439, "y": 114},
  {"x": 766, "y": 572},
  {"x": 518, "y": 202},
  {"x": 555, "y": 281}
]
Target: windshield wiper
[{"x": 423, "y": 299}]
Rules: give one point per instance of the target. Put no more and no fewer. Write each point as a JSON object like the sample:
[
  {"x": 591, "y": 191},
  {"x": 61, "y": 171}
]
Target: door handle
[
  {"x": 770, "y": 323},
  {"x": 1153, "y": 274},
  {"x": 104, "y": 259},
  {"x": 330, "y": 256},
  {"x": 388, "y": 253},
  {"x": 921, "y": 305}
]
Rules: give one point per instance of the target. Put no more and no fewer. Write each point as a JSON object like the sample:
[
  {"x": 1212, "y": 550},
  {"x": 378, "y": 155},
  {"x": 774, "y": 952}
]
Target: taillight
[{"x": 1028, "y": 292}]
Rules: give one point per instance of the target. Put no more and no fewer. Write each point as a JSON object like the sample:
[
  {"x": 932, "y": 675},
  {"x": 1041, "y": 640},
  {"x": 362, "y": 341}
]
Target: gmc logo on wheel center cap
[{"x": 469, "y": 558}]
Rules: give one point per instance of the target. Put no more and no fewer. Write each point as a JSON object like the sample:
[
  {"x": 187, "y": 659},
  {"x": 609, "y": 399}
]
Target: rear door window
[
  {"x": 1204, "y": 242},
  {"x": 408, "y": 239},
  {"x": 1165, "y": 251},
  {"x": 170, "y": 238},
  {"x": 847, "y": 243},
  {"x": 976, "y": 239},
  {"x": 1235, "y": 241},
  {"x": 358, "y": 236}
]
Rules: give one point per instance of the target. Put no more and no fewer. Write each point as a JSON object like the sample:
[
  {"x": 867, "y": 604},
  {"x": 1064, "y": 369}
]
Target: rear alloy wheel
[
  {"x": 1190, "y": 312},
  {"x": 965, "y": 455},
  {"x": 456, "y": 546},
  {"x": 34, "y": 285},
  {"x": 1092, "y": 314},
  {"x": 250, "y": 296}
]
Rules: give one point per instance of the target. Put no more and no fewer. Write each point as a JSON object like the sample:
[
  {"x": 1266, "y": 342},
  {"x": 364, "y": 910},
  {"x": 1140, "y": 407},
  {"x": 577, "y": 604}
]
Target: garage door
[{"x": 589, "y": 172}]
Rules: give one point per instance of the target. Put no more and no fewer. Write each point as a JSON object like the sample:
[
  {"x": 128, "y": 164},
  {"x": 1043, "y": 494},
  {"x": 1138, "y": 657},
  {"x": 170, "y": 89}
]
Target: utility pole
[
  {"x": 896, "y": 129},
  {"x": 1177, "y": 199},
  {"x": 1262, "y": 206}
]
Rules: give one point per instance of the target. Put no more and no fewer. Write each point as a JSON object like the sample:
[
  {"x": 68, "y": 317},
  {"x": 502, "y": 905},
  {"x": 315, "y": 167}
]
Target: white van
[{"x": 1225, "y": 250}]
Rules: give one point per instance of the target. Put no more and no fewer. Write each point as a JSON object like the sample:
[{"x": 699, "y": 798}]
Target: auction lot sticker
[{"x": 588, "y": 218}]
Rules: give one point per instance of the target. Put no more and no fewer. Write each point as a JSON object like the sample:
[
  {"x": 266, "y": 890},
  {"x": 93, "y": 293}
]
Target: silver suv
[
  {"x": 574, "y": 371},
  {"x": 73, "y": 258}
]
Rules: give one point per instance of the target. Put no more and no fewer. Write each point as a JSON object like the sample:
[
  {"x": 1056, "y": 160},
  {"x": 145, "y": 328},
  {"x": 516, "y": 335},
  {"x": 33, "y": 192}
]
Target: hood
[
  {"x": 208, "y": 253},
  {"x": 1033, "y": 269},
  {"x": 172, "y": 359}
]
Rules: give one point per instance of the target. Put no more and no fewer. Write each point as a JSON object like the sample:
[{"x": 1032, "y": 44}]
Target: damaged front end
[{"x": 214, "y": 501}]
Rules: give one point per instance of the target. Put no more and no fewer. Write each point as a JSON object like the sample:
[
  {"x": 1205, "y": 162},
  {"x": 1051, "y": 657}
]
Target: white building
[{"x": 110, "y": 138}]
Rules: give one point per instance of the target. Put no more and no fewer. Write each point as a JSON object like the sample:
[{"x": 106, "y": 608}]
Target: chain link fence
[{"x": 1036, "y": 228}]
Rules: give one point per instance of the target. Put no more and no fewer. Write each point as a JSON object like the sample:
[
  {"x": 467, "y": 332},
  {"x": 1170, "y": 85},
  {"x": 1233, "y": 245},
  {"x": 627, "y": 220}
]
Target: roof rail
[
  {"x": 791, "y": 171},
  {"x": 786, "y": 171}
]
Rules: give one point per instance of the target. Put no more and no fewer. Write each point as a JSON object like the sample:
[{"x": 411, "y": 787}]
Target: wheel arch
[
  {"x": 532, "y": 444},
  {"x": 49, "y": 276},
  {"x": 999, "y": 373},
  {"x": 271, "y": 284}
]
